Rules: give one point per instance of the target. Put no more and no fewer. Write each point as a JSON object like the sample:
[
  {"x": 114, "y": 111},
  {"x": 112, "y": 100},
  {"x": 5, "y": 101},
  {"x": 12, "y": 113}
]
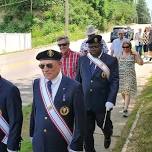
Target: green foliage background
[{"x": 46, "y": 20}]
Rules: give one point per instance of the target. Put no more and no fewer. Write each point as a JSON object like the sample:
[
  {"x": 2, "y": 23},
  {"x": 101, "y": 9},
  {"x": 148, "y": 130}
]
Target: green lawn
[
  {"x": 26, "y": 143},
  {"x": 141, "y": 140}
]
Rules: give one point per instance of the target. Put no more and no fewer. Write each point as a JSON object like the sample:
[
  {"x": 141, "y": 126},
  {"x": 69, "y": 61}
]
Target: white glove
[
  {"x": 11, "y": 150},
  {"x": 109, "y": 106}
]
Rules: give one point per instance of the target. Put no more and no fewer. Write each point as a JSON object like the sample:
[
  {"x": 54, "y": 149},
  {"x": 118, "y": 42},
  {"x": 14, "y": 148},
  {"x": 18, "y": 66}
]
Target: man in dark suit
[
  {"x": 98, "y": 73},
  {"x": 10, "y": 117},
  {"x": 57, "y": 116}
]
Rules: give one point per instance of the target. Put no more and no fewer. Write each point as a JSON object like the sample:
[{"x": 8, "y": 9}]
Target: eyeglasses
[
  {"x": 125, "y": 46},
  {"x": 50, "y": 66},
  {"x": 63, "y": 44},
  {"x": 94, "y": 46}
]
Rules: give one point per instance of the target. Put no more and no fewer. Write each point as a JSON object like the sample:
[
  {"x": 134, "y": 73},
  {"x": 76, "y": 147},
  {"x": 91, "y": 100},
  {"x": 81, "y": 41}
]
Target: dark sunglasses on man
[
  {"x": 42, "y": 66},
  {"x": 63, "y": 44}
]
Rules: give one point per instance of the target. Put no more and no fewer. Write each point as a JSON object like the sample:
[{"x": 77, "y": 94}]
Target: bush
[
  {"x": 36, "y": 31},
  {"x": 51, "y": 27}
]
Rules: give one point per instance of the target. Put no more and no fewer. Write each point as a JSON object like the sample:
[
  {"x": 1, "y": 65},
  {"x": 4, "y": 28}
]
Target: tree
[
  {"x": 97, "y": 5},
  {"x": 142, "y": 12},
  {"x": 119, "y": 12}
]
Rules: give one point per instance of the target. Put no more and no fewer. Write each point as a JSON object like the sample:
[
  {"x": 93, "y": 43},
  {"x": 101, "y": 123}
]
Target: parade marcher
[
  {"x": 145, "y": 42},
  {"x": 98, "y": 73},
  {"x": 116, "y": 46},
  {"x": 138, "y": 41},
  {"x": 69, "y": 57},
  {"x": 57, "y": 116},
  {"x": 91, "y": 31},
  {"x": 10, "y": 117},
  {"x": 127, "y": 74}
]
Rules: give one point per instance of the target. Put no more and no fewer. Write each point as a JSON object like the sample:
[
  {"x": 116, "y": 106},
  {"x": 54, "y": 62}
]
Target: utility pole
[
  {"x": 135, "y": 3},
  {"x": 66, "y": 9},
  {"x": 5, "y": 4},
  {"x": 31, "y": 6}
]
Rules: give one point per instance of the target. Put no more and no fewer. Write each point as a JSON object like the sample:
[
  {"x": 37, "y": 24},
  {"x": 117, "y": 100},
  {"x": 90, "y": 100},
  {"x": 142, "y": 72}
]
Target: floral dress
[{"x": 127, "y": 75}]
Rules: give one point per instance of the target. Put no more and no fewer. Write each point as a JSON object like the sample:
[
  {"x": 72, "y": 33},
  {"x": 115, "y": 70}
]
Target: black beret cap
[
  {"x": 49, "y": 55},
  {"x": 94, "y": 39}
]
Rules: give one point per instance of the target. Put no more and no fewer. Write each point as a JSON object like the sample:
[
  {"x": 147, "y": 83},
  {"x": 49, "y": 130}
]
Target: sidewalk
[{"x": 143, "y": 73}]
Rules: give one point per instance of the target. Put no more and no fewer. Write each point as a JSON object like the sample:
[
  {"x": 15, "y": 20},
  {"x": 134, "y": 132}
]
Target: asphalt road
[{"x": 22, "y": 68}]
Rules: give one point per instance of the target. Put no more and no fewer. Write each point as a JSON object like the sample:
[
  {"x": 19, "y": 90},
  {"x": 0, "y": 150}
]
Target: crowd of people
[
  {"x": 76, "y": 92},
  {"x": 143, "y": 43}
]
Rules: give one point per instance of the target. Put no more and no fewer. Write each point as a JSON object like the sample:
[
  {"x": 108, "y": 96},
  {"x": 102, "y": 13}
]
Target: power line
[{"x": 13, "y": 3}]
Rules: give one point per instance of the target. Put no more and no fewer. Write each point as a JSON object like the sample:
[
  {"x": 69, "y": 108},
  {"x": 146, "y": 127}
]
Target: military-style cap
[
  {"x": 49, "y": 55},
  {"x": 94, "y": 39}
]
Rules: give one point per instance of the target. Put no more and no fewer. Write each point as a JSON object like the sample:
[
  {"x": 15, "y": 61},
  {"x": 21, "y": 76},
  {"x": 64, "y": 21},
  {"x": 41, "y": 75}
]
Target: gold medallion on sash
[
  {"x": 103, "y": 75},
  {"x": 64, "y": 110}
]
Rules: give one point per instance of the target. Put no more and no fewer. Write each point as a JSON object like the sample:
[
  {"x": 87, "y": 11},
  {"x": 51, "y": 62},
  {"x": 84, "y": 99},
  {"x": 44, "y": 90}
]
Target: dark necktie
[
  {"x": 49, "y": 83},
  {"x": 92, "y": 67}
]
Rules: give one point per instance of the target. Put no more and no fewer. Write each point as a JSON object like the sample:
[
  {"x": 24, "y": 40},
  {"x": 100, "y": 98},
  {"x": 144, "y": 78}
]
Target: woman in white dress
[{"x": 127, "y": 74}]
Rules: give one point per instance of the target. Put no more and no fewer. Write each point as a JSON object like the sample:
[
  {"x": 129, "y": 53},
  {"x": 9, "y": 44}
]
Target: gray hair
[{"x": 63, "y": 38}]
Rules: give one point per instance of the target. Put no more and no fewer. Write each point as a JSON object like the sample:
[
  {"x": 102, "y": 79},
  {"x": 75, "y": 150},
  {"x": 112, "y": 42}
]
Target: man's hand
[{"x": 109, "y": 106}]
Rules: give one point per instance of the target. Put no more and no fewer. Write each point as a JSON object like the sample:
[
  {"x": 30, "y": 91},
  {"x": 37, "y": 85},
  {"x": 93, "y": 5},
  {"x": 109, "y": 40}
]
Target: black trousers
[
  {"x": 145, "y": 48},
  {"x": 3, "y": 147},
  {"x": 92, "y": 120}
]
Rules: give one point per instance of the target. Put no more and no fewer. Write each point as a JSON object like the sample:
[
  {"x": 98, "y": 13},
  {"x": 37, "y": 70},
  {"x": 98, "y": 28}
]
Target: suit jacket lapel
[
  {"x": 88, "y": 61},
  {"x": 97, "y": 68},
  {"x": 0, "y": 82}
]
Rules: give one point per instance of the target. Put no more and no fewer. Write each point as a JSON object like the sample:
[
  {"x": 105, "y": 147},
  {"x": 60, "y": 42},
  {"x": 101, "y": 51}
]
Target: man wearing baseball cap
[
  {"x": 116, "y": 46},
  {"x": 91, "y": 31}
]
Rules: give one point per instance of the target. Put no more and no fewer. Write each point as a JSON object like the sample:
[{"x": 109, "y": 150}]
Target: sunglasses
[
  {"x": 125, "y": 47},
  {"x": 42, "y": 66},
  {"x": 63, "y": 44}
]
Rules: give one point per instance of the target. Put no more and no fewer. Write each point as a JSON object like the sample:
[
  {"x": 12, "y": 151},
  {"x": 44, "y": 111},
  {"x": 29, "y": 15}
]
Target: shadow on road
[{"x": 25, "y": 87}]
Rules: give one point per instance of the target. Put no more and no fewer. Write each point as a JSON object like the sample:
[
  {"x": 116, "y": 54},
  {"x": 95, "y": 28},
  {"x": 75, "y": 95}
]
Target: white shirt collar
[
  {"x": 56, "y": 79},
  {"x": 55, "y": 84},
  {"x": 100, "y": 54}
]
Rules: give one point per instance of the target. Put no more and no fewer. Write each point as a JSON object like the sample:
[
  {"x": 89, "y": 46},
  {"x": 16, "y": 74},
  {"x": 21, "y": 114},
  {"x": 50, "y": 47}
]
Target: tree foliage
[
  {"x": 47, "y": 16},
  {"x": 142, "y": 12}
]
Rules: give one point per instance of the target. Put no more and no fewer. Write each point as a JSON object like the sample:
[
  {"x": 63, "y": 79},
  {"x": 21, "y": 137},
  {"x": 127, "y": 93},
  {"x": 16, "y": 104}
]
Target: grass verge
[
  {"x": 26, "y": 143},
  {"x": 142, "y": 135}
]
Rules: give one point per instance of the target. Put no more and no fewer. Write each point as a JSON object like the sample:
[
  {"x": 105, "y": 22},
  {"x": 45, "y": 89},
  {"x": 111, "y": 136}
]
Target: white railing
[{"x": 11, "y": 42}]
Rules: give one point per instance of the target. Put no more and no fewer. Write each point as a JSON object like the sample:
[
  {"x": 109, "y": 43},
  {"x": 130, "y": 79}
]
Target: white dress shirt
[
  {"x": 116, "y": 47},
  {"x": 55, "y": 84}
]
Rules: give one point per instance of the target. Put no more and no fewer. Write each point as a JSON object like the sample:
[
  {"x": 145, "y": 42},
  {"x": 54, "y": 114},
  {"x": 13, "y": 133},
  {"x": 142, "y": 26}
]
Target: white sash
[
  {"x": 100, "y": 64},
  {"x": 53, "y": 113},
  {"x": 5, "y": 128}
]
